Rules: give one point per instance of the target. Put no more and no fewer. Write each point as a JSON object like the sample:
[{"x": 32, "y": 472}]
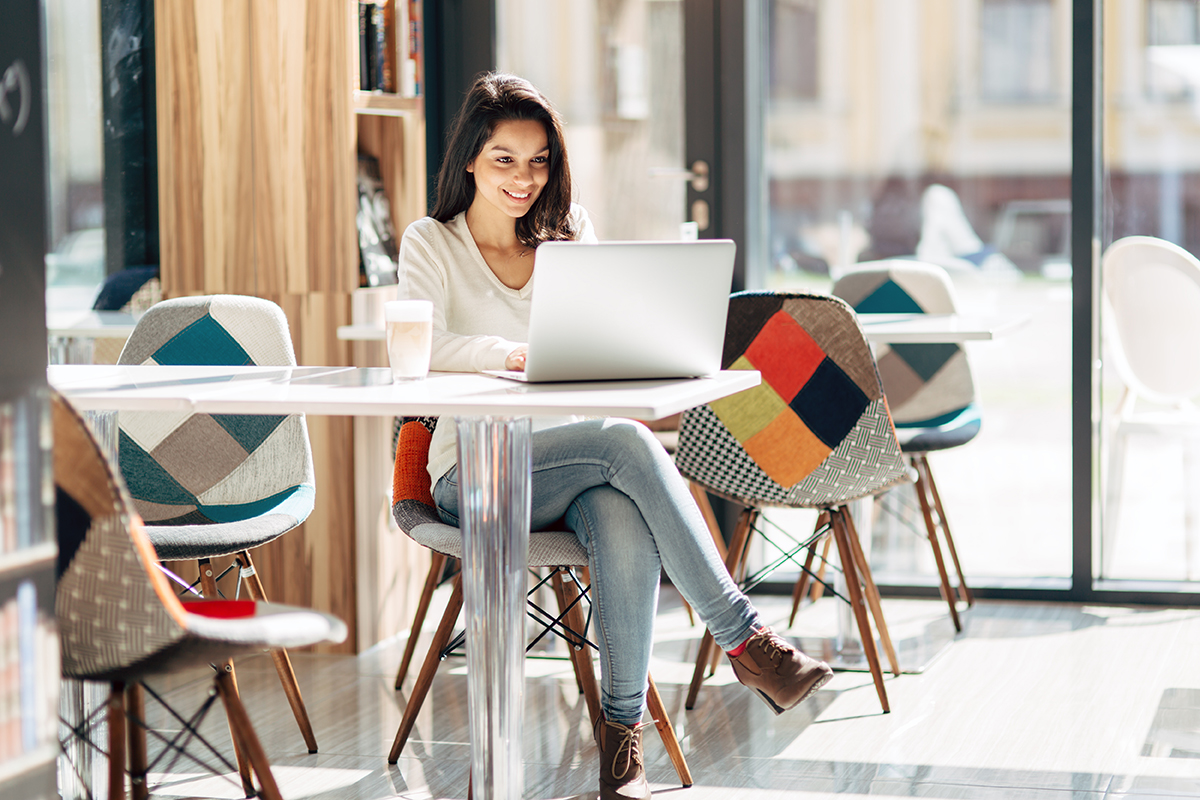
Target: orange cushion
[{"x": 410, "y": 478}]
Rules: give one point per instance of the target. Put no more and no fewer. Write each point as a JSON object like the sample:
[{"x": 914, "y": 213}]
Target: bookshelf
[{"x": 29, "y": 663}]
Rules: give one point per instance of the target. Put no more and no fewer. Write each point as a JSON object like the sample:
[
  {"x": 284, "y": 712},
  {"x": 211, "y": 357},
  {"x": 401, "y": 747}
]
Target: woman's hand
[{"x": 516, "y": 359}]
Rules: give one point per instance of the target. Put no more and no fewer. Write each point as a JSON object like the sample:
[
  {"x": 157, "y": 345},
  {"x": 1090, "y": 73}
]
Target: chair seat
[
  {"x": 941, "y": 433},
  {"x": 212, "y": 640},
  {"x": 188, "y": 542},
  {"x": 546, "y": 548}
]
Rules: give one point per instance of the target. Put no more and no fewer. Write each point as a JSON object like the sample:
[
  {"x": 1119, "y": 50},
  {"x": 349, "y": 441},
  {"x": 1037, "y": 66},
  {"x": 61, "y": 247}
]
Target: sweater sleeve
[{"x": 426, "y": 266}]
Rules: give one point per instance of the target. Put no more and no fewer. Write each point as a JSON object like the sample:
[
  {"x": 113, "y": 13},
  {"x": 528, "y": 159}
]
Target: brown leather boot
[
  {"x": 622, "y": 775},
  {"x": 781, "y": 674}
]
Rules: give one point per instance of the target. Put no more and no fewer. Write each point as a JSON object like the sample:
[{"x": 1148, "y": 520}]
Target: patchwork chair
[
  {"x": 217, "y": 485},
  {"x": 558, "y": 551},
  {"x": 929, "y": 390},
  {"x": 120, "y": 623},
  {"x": 814, "y": 434}
]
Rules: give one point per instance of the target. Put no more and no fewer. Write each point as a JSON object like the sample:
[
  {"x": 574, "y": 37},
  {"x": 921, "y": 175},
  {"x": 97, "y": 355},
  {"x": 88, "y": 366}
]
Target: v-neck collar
[{"x": 481, "y": 263}]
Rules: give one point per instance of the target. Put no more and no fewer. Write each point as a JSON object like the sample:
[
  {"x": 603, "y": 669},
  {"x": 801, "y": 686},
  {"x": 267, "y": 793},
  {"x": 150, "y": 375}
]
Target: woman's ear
[{"x": 471, "y": 167}]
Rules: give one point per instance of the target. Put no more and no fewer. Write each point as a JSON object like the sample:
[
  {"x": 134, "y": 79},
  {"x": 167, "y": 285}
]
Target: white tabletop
[
  {"x": 936, "y": 328},
  {"x": 359, "y": 391},
  {"x": 90, "y": 324},
  {"x": 890, "y": 328}
]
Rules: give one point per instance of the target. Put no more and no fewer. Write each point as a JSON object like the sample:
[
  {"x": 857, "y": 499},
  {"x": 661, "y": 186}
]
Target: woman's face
[{"x": 513, "y": 167}]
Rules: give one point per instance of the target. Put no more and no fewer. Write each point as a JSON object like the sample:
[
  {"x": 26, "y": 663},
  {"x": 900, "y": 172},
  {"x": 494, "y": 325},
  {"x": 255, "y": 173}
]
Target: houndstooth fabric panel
[
  {"x": 867, "y": 461},
  {"x": 109, "y": 616},
  {"x": 709, "y": 454}
]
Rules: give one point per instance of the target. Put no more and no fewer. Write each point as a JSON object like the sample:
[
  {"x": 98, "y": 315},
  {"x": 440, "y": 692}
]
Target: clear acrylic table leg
[{"x": 494, "y": 474}]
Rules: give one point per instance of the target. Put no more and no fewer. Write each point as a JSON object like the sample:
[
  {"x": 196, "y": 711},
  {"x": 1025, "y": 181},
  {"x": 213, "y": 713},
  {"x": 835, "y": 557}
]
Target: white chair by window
[{"x": 1152, "y": 321}]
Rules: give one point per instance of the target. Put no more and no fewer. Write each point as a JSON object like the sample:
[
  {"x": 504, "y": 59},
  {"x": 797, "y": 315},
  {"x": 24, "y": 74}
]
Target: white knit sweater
[{"x": 477, "y": 320}]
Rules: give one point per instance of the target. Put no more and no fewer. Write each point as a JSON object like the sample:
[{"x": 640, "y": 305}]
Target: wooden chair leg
[
  {"x": 863, "y": 567},
  {"x": 116, "y": 740},
  {"x": 922, "y": 489},
  {"x": 806, "y": 573},
  {"x": 802, "y": 583},
  {"x": 857, "y": 603},
  {"x": 283, "y": 663},
  {"x": 244, "y": 733},
  {"x": 581, "y": 655},
  {"x": 658, "y": 712},
  {"x": 818, "y": 589},
  {"x": 437, "y": 567},
  {"x": 733, "y": 558},
  {"x": 135, "y": 703},
  {"x": 208, "y": 587},
  {"x": 428, "y": 669},
  {"x": 964, "y": 590}
]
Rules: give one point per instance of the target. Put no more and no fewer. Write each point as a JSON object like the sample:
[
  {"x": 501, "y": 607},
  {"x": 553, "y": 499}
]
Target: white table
[
  {"x": 72, "y": 334},
  {"x": 90, "y": 324},
  {"x": 936, "y": 328},
  {"x": 494, "y": 456}
]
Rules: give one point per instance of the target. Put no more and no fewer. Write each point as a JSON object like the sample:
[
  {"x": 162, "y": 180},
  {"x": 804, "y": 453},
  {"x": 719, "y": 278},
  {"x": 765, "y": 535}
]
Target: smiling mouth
[{"x": 516, "y": 196}]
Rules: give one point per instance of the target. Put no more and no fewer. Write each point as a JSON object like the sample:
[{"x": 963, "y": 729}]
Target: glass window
[
  {"x": 75, "y": 160},
  {"x": 1172, "y": 31},
  {"x": 793, "y": 73},
  {"x": 615, "y": 73},
  {"x": 1016, "y": 51},
  {"x": 903, "y": 154},
  {"x": 1150, "y": 456}
]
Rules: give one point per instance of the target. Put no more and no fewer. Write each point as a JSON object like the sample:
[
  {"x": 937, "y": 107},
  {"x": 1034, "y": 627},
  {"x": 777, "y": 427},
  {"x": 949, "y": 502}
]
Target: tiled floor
[{"x": 1032, "y": 701}]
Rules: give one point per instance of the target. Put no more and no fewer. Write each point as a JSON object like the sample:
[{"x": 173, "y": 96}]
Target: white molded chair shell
[{"x": 1153, "y": 291}]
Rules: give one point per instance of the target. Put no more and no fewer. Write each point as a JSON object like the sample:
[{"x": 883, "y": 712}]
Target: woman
[{"x": 504, "y": 188}]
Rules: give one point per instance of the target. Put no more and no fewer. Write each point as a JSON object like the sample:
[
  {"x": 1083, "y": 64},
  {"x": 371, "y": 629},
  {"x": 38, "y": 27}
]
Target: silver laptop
[{"x": 628, "y": 310}]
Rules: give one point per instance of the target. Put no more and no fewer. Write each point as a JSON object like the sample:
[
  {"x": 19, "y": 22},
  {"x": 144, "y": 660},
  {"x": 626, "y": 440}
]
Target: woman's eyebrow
[{"x": 504, "y": 149}]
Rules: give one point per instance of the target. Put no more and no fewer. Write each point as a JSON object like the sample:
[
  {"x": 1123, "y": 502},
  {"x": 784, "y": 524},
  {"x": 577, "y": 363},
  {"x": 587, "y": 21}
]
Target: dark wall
[
  {"x": 130, "y": 134},
  {"x": 22, "y": 201},
  {"x": 460, "y": 42}
]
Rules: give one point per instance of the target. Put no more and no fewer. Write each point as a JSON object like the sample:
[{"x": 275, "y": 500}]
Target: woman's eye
[
  {"x": 504, "y": 160},
  {"x": 540, "y": 159}
]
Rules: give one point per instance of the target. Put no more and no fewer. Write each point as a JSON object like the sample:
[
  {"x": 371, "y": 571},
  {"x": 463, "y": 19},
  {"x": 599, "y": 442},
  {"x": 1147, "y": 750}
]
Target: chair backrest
[
  {"x": 412, "y": 500},
  {"x": 816, "y": 432},
  {"x": 194, "y": 469},
  {"x": 925, "y": 383},
  {"x": 1153, "y": 291},
  {"x": 114, "y": 608}
]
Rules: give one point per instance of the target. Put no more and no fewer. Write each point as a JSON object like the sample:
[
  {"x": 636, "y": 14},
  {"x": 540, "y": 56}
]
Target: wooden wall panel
[
  {"x": 206, "y": 166},
  {"x": 303, "y": 148}
]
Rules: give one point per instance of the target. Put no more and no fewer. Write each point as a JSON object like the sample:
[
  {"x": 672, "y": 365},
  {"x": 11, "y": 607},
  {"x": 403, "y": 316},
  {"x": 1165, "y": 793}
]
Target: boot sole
[{"x": 778, "y": 709}]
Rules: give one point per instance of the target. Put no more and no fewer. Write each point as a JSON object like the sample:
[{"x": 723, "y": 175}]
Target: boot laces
[
  {"x": 773, "y": 646},
  {"x": 631, "y": 744}
]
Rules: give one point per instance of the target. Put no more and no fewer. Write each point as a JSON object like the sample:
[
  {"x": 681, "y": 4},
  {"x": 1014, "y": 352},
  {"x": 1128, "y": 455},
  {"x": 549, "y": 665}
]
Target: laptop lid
[{"x": 628, "y": 310}]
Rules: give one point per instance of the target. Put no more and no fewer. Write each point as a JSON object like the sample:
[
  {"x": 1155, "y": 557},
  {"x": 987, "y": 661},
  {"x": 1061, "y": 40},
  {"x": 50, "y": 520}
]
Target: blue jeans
[{"x": 618, "y": 490}]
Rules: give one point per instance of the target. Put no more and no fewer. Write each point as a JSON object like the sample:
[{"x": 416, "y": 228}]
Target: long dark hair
[{"x": 494, "y": 98}]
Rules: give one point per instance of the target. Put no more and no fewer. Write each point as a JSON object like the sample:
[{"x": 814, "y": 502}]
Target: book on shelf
[
  {"x": 378, "y": 247},
  {"x": 364, "y": 49},
  {"x": 29, "y": 671},
  {"x": 378, "y": 42},
  {"x": 411, "y": 77}
]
